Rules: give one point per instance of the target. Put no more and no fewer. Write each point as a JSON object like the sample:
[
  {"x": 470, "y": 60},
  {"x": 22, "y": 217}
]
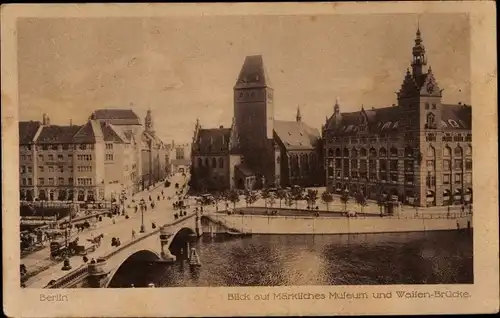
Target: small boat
[{"x": 194, "y": 260}]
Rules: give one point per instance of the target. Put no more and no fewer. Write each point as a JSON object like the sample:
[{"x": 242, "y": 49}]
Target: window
[
  {"x": 23, "y": 157},
  {"x": 426, "y": 105},
  {"x": 221, "y": 162},
  {"x": 354, "y": 164},
  {"x": 446, "y": 165},
  {"x": 60, "y": 157},
  {"x": 40, "y": 157},
  {"x": 200, "y": 162},
  {"x": 61, "y": 169},
  {"x": 51, "y": 181},
  {"x": 29, "y": 157},
  {"x": 51, "y": 157},
  {"x": 458, "y": 151},
  {"x": 458, "y": 164},
  {"x": 446, "y": 179},
  {"x": 346, "y": 152},
  {"x": 383, "y": 165},
  {"x": 394, "y": 152},
  {"x": 51, "y": 169},
  {"x": 409, "y": 178},
  {"x": 41, "y": 181},
  {"x": 430, "y": 165},
  {"x": 468, "y": 151},
  {"x": 431, "y": 152},
  {"x": 24, "y": 182},
  {"x": 468, "y": 137},
  {"x": 83, "y": 147},
  {"x": 109, "y": 146},
  {"x": 430, "y": 137},
  {"x": 468, "y": 178},
  {"x": 446, "y": 151},
  {"x": 458, "y": 178},
  {"x": 30, "y": 169},
  {"x": 23, "y": 169},
  {"x": 468, "y": 164},
  {"x": 447, "y": 137},
  {"x": 70, "y": 157},
  {"x": 40, "y": 168},
  {"x": 70, "y": 181},
  {"x": 431, "y": 121},
  {"x": 363, "y": 152},
  {"x": 30, "y": 181},
  {"x": 109, "y": 157},
  {"x": 60, "y": 181}
]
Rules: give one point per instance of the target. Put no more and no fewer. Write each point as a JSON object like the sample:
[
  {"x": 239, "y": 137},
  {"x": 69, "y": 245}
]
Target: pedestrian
[
  {"x": 133, "y": 234},
  {"x": 114, "y": 221}
]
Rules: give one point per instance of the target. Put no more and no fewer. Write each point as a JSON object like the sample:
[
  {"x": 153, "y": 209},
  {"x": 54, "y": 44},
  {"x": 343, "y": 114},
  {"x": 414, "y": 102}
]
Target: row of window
[
  {"x": 206, "y": 162},
  {"x": 429, "y": 137},
  {"x": 393, "y": 152},
  {"x": 109, "y": 157},
  {"x": 51, "y": 157},
  {"x": 60, "y": 147},
  {"x": 84, "y": 157},
  {"x": 393, "y": 164},
  {"x": 84, "y": 181},
  {"x": 51, "y": 181},
  {"x": 84, "y": 168},
  {"x": 408, "y": 178}
]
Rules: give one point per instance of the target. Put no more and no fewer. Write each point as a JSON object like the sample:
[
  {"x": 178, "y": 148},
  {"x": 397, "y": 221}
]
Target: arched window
[
  {"x": 363, "y": 152},
  {"x": 90, "y": 195},
  {"x": 330, "y": 152},
  {"x": 200, "y": 162},
  {"x": 394, "y": 152},
  {"x": 346, "y": 152},
  {"x": 206, "y": 162},
  {"x": 382, "y": 152},
  {"x": 354, "y": 152},
  {"x": 221, "y": 163},
  {"x": 458, "y": 151},
  {"x": 431, "y": 120},
  {"x": 373, "y": 152},
  {"x": 81, "y": 195},
  {"x": 446, "y": 151},
  {"x": 214, "y": 163},
  {"x": 431, "y": 152},
  {"x": 468, "y": 151},
  {"x": 337, "y": 153}
]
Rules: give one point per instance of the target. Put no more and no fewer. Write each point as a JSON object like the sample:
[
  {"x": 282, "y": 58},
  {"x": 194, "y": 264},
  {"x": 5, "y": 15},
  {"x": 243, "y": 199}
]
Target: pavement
[{"x": 162, "y": 213}]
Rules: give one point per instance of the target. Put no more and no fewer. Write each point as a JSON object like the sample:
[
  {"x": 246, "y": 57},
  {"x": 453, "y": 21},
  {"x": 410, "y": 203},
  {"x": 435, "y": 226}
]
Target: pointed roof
[
  {"x": 85, "y": 134},
  {"x": 298, "y": 117},
  {"x": 253, "y": 74},
  {"x": 54, "y": 134},
  {"x": 296, "y": 135},
  {"x": 27, "y": 131}
]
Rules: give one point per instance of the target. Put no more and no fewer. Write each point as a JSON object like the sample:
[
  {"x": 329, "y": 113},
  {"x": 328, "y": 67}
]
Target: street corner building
[
  {"x": 110, "y": 155},
  {"x": 257, "y": 150},
  {"x": 417, "y": 152}
]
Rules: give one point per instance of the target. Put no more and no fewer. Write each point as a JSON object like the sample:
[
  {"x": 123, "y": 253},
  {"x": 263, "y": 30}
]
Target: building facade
[
  {"x": 96, "y": 161},
  {"x": 418, "y": 152},
  {"x": 180, "y": 155},
  {"x": 260, "y": 151}
]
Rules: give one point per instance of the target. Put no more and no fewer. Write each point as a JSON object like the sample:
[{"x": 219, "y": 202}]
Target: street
[{"x": 162, "y": 213}]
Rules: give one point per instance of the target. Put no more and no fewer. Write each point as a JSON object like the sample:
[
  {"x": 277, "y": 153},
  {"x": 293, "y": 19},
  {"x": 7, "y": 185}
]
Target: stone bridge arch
[{"x": 124, "y": 267}]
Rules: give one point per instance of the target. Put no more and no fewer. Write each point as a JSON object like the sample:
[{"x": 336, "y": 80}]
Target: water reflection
[{"x": 273, "y": 260}]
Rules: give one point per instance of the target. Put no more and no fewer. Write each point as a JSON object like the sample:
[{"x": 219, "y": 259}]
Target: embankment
[{"x": 260, "y": 224}]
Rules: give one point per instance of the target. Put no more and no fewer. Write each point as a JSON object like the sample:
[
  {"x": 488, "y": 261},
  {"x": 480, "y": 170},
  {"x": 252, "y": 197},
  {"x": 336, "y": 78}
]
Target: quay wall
[{"x": 261, "y": 224}]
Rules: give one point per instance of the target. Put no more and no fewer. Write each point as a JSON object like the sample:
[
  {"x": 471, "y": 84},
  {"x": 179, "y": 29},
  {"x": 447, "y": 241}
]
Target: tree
[
  {"x": 265, "y": 194},
  {"x": 225, "y": 197},
  {"x": 234, "y": 197},
  {"x": 271, "y": 200},
  {"x": 311, "y": 197},
  {"x": 281, "y": 195},
  {"x": 250, "y": 197},
  {"x": 344, "y": 198},
  {"x": 361, "y": 200},
  {"x": 327, "y": 198},
  {"x": 297, "y": 194},
  {"x": 289, "y": 199}
]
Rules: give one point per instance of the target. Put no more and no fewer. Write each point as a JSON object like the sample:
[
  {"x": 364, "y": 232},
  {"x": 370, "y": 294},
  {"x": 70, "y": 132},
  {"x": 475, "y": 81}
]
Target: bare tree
[{"x": 327, "y": 198}]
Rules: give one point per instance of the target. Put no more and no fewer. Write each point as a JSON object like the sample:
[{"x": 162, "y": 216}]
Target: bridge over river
[{"x": 164, "y": 244}]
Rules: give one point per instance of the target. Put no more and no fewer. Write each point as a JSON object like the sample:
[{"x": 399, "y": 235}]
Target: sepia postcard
[{"x": 249, "y": 159}]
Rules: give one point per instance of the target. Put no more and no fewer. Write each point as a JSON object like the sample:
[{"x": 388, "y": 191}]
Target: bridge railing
[{"x": 81, "y": 272}]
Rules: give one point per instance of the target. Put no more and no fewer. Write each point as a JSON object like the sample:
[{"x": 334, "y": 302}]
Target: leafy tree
[
  {"x": 271, "y": 200},
  {"x": 297, "y": 194},
  {"x": 281, "y": 195},
  {"x": 361, "y": 200},
  {"x": 265, "y": 194},
  {"x": 250, "y": 197},
  {"x": 344, "y": 198},
  {"x": 289, "y": 199},
  {"x": 311, "y": 197},
  {"x": 327, "y": 198},
  {"x": 234, "y": 197}
]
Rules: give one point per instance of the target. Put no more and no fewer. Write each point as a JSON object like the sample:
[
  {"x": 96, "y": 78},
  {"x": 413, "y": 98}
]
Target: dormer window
[{"x": 453, "y": 123}]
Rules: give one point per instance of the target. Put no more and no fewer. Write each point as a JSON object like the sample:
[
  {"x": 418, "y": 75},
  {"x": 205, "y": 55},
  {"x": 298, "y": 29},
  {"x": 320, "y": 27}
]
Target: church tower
[
  {"x": 148, "y": 122},
  {"x": 254, "y": 114}
]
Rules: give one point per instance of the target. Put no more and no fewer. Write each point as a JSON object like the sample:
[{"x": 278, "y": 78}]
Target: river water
[{"x": 443, "y": 257}]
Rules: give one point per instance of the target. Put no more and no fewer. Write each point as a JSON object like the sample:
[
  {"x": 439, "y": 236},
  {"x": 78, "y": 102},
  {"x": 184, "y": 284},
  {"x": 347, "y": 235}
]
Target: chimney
[{"x": 221, "y": 127}]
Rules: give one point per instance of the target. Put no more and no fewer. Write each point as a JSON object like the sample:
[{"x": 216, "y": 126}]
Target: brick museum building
[
  {"x": 257, "y": 150},
  {"x": 416, "y": 152}
]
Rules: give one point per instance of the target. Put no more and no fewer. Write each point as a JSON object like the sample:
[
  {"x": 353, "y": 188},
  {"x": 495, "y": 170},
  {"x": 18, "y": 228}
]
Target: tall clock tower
[{"x": 254, "y": 113}]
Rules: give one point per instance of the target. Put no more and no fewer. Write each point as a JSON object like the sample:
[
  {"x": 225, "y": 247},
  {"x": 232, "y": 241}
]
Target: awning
[
  {"x": 458, "y": 191},
  {"x": 446, "y": 193},
  {"x": 430, "y": 193},
  {"x": 468, "y": 190}
]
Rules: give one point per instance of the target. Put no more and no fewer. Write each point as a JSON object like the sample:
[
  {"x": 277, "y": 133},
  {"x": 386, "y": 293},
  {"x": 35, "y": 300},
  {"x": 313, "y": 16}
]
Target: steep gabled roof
[
  {"x": 456, "y": 117},
  {"x": 296, "y": 135},
  {"x": 85, "y": 135},
  {"x": 253, "y": 73},
  {"x": 116, "y": 116},
  {"x": 213, "y": 140},
  {"x": 111, "y": 134},
  {"x": 27, "y": 131},
  {"x": 57, "y": 134}
]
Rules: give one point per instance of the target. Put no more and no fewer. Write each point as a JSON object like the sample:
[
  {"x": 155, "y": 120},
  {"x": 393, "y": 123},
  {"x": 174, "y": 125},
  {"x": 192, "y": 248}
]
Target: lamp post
[{"x": 142, "y": 230}]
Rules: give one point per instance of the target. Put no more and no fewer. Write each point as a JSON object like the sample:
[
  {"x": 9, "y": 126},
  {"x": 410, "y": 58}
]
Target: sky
[{"x": 184, "y": 68}]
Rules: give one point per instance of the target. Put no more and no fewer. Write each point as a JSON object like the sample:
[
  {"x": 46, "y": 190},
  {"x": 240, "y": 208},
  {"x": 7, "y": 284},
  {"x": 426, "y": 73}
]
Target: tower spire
[
  {"x": 419, "y": 58},
  {"x": 148, "y": 121},
  {"x": 298, "y": 118},
  {"x": 336, "y": 107}
]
